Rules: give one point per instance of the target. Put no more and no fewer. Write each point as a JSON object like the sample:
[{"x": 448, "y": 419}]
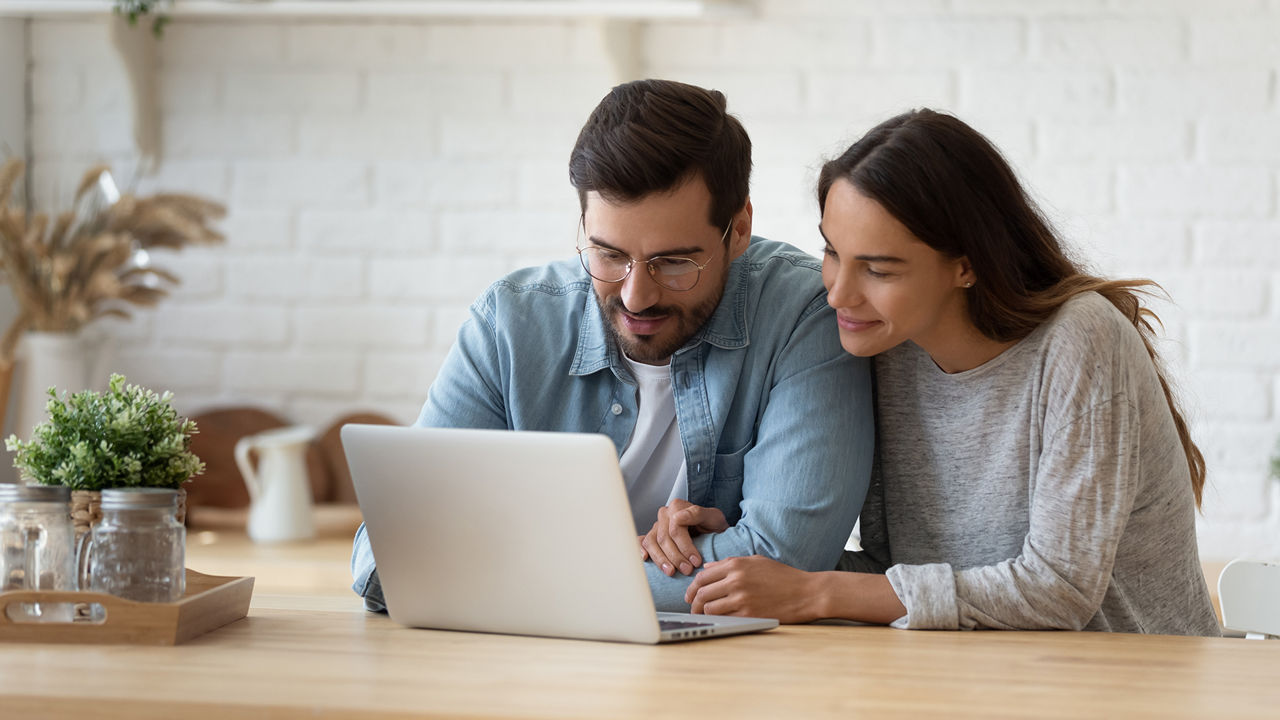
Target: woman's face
[{"x": 886, "y": 285}]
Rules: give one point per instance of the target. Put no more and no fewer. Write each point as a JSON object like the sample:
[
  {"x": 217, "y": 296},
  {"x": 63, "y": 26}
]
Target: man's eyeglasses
[{"x": 611, "y": 266}]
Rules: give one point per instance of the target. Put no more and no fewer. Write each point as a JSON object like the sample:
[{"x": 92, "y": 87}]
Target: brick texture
[{"x": 380, "y": 174}]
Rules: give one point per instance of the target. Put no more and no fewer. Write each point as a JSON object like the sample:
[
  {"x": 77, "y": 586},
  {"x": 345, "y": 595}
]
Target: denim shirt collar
[{"x": 725, "y": 329}]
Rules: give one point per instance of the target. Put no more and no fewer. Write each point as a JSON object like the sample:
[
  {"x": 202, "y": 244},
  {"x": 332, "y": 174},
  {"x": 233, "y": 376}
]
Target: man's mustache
[{"x": 615, "y": 304}]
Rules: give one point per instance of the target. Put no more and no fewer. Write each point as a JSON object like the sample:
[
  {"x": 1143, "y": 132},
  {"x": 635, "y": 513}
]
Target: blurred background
[{"x": 382, "y": 162}]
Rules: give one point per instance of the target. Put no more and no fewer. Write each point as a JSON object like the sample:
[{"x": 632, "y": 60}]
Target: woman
[{"x": 1033, "y": 469}]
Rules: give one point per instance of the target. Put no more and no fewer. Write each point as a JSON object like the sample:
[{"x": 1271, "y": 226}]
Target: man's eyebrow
[
  {"x": 674, "y": 252},
  {"x": 866, "y": 258}
]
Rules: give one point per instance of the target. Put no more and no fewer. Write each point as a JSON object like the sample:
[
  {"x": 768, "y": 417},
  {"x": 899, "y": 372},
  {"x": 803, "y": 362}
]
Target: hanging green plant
[{"x": 134, "y": 9}]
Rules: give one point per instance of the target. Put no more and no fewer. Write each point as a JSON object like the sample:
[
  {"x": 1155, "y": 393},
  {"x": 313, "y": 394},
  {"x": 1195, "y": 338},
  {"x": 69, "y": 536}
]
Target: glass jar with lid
[
  {"x": 37, "y": 547},
  {"x": 137, "y": 550}
]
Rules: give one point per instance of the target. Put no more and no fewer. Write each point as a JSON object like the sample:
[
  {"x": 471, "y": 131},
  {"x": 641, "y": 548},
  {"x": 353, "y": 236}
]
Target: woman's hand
[
  {"x": 669, "y": 543},
  {"x": 756, "y": 587}
]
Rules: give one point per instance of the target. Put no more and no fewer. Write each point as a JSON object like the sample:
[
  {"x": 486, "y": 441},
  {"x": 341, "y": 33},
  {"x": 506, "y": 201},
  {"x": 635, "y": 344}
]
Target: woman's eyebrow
[{"x": 865, "y": 258}]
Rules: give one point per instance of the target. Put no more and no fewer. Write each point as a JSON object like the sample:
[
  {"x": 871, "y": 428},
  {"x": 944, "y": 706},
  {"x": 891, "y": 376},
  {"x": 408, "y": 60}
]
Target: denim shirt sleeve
[
  {"x": 805, "y": 479},
  {"x": 462, "y": 395},
  {"x": 365, "y": 574}
]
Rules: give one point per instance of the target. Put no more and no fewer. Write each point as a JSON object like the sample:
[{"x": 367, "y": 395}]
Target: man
[{"x": 709, "y": 357}]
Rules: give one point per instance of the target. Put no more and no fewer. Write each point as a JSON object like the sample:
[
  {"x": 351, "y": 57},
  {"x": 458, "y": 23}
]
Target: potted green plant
[{"x": 127, "y": 436}]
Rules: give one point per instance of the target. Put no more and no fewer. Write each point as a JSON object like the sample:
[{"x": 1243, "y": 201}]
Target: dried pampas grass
[{"x": 74, "y": 270}]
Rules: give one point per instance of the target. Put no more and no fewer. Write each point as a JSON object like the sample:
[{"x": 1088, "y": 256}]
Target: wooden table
[
  {"x": 310, "y": 651},
  {"x": 316, "y": 570},
  {"x": 284, "y": 663}
]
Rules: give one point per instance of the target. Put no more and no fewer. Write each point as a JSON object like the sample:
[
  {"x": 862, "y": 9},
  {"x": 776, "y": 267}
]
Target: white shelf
[
  {"x": 610, "y": 9},
  {"x": 617, "y": 19}
]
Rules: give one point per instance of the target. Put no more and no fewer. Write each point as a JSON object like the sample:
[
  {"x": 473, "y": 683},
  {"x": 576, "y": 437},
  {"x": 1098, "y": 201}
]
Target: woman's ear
[
  {"x": 965, "y": 276},
  {"x": 740, "y": 231}
]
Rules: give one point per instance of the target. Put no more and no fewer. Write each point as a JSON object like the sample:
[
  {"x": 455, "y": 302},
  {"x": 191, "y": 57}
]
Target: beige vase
[{"x": 46, "y": 360}]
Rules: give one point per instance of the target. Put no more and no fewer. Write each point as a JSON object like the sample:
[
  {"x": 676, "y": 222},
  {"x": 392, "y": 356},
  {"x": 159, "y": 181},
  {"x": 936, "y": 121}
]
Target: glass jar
[
  {"x": 137, "y": 550},
  {"x": 37, "y": 547}
]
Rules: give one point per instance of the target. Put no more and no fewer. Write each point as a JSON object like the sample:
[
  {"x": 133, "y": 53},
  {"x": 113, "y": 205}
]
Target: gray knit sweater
[{"x": 1044, "y": 489}]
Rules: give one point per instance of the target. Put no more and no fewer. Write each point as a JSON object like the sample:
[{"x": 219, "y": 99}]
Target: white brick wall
[
  {"x": 379, "y": 175},
  {"x": 13, "y": 123}
]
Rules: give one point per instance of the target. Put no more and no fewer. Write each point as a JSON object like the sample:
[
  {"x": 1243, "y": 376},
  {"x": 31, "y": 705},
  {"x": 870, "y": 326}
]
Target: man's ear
[{"x": 740, "y": 232}]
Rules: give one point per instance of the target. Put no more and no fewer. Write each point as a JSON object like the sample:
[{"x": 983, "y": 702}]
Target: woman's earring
[{"x": 969, "y": 284}]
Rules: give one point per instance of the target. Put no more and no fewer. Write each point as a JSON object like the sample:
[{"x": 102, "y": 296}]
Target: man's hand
[
  {"x": 669, "y": 543},
  {"x": 754, "y": 586}
]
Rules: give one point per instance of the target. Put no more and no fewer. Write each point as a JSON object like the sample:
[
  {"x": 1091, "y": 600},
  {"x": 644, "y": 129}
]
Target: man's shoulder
[
  {"x": 770, "y": 257},
  {"x": 544, "y": 301},
  {"x": 782, "y": 276},
  {"x": 562, "y": 278}
]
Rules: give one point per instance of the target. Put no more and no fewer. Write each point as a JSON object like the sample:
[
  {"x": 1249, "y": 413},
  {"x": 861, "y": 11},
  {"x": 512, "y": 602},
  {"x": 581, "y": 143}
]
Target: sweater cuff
[{"x": 929, "y": 594}]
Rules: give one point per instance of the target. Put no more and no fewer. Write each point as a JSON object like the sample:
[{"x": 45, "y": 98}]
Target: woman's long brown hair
[{"x": 955, "y": 192}]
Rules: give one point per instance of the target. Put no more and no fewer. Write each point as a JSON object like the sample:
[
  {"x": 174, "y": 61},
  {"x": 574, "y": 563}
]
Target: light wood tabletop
[
  {"x": 307, "y": 649},
  {"x": 285, "y": 663}
]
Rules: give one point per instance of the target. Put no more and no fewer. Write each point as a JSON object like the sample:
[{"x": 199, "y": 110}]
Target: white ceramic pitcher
[{"x": 279, "y": 492}]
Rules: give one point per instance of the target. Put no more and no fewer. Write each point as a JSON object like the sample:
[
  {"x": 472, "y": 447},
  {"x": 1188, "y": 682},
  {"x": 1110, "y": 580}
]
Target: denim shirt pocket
[{"x": 726, "y": 484}]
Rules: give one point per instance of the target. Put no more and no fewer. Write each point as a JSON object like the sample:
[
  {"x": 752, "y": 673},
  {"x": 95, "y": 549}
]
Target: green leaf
[{"x": 127, "y": 436}]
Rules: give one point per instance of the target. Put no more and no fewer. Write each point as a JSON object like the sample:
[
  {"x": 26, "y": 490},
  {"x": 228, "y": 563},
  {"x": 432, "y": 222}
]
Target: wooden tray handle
[
  {"x": 210, "y": 602},
  {"x": 115, "y": 608}
]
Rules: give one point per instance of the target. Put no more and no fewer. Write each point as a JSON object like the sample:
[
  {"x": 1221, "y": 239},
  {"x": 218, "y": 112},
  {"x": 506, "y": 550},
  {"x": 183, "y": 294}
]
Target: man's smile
[{"x": 645, "y": 324}]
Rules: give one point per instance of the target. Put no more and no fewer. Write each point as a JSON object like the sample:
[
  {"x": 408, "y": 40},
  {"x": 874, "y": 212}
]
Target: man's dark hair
[{"x": 651, "y": 136}]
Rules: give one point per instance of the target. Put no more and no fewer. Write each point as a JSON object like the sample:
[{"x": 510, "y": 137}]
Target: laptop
[{"x": 521, "y": 533}]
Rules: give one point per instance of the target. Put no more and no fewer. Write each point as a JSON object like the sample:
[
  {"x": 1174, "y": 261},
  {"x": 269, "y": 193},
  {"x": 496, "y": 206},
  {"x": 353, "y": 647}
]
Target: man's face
[{"x": 649, "y": 321}]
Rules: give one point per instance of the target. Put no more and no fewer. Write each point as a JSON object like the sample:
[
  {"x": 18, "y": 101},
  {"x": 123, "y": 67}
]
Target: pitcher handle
[{"x": 243, "y": 447}]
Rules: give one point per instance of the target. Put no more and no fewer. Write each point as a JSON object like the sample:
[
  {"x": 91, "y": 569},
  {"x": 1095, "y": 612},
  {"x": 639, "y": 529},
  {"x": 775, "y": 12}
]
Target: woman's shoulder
[
  {"x": 1089, "y": 343},
  {"x": 1089, "y": 323}
]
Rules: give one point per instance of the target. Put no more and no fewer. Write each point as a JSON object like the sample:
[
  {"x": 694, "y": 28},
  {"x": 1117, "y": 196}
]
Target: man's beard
[{"x": 657, "y": 349}]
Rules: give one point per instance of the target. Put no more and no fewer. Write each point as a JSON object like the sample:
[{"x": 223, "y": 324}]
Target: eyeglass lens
[{"x": 612, "y": 266}]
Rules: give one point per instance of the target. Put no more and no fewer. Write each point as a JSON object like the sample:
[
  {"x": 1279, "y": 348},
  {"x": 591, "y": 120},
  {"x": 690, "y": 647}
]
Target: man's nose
[{"x": 639, "y": 290}]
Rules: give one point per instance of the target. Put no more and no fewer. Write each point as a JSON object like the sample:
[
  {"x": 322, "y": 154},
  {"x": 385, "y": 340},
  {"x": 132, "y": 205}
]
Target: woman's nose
[{"x": 844, "y": 292}]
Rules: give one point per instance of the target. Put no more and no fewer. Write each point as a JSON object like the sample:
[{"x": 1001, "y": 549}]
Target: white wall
[
  {"x": 380, "y": 174},
  {"x": 13, "y": 81},
  {"x": 13, "y": 141}
]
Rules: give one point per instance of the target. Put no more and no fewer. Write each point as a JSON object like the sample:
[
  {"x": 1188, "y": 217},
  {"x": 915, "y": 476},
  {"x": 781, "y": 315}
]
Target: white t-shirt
[{"x": 653, "y": 463}]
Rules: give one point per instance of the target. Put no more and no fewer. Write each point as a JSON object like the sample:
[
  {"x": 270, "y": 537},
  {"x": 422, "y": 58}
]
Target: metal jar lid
[
  {"x": 138, "y": 498},
  {"x": 13, "y": 492}
]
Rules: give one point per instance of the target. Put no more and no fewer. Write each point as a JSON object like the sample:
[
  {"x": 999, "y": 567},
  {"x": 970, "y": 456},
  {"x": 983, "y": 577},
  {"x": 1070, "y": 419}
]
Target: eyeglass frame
[{"x": 631, "y": 262}]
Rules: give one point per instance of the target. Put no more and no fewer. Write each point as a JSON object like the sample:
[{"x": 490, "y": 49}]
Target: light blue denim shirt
[{"x": 775, "y": 416}]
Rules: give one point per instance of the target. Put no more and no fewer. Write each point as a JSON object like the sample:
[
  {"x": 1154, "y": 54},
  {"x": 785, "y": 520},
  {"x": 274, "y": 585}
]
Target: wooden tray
[{"x": 209, "y": 603}]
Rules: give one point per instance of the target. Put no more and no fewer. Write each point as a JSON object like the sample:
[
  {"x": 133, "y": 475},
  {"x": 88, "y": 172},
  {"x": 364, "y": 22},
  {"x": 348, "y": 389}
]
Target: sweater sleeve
[{"x": 1083, "y": 491}]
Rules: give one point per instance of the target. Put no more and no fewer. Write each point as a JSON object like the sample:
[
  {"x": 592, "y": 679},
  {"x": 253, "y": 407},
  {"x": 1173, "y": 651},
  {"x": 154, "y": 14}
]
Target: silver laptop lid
[{"x": 525, "y": 533}]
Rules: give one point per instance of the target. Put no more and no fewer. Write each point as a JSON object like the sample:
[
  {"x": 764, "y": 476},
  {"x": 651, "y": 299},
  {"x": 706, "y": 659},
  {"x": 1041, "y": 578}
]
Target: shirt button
[{"x": 616, "y": 409}]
